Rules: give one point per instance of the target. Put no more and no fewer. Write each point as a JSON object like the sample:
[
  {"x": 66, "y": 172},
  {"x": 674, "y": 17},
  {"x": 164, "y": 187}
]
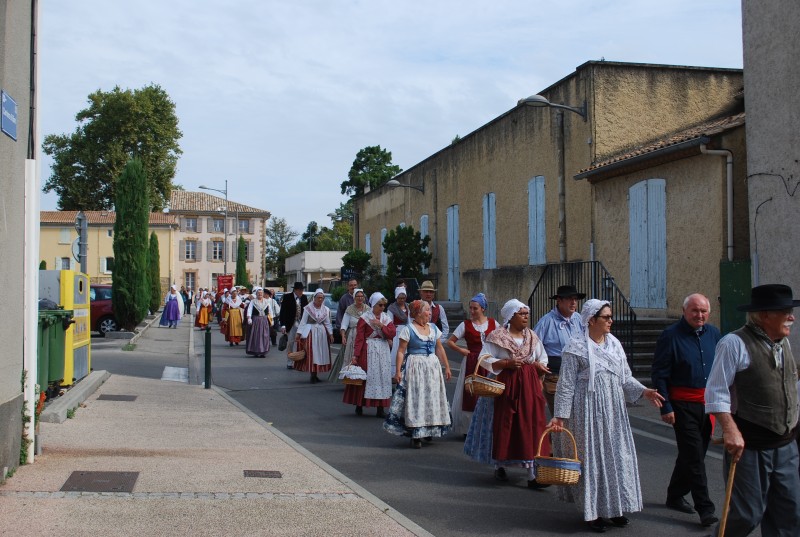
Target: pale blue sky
[{"x": 279, "y": 96}]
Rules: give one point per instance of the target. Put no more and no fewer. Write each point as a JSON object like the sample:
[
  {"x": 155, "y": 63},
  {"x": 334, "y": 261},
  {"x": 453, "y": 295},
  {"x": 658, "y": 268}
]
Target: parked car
[
  {"x": 333, "y": 305},
  {"x": 101, "y": 310}
]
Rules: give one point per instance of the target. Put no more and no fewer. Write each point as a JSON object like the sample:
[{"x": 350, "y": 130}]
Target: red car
[{"x": 101, "y": 311}]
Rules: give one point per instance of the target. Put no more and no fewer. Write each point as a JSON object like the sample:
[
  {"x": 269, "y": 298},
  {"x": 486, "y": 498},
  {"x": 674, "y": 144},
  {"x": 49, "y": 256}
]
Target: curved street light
[{"x": 394, "y": 183}]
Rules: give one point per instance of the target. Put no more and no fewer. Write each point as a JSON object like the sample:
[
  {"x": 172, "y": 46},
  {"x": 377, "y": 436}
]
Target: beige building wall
[{"x": 628, "y": 105}]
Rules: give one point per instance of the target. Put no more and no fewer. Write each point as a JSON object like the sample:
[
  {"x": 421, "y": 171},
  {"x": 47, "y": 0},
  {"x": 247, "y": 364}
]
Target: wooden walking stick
[{"x": 728, "y": 491}]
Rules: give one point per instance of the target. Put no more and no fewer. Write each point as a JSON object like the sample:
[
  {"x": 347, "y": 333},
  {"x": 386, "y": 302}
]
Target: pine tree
[
  {"x": 241, "y": 264},
  {"x": 130, "y": 291},
  {"x": 154, "y": 274}
]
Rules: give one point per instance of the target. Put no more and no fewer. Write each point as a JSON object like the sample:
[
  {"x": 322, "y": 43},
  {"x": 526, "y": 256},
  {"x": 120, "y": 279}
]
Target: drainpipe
[
  {"x": 729, "y": 188},
  {"x": 562, "y": 196}
]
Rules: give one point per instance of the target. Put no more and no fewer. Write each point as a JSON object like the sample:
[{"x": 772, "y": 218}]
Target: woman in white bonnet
[
  {"x": 173, "y": 308},
  {"x": 594, "y": 384}
]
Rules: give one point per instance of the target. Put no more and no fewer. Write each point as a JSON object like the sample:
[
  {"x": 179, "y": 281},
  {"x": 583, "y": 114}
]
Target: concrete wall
[
  {"x": 15, "y": 77},
  {"x": 696, "y": 217},
  {"x": 772, "y": 78}
]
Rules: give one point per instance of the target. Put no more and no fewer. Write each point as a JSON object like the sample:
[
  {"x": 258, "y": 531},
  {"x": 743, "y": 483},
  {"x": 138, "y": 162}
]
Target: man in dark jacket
[{"x": 292, "y": 305}]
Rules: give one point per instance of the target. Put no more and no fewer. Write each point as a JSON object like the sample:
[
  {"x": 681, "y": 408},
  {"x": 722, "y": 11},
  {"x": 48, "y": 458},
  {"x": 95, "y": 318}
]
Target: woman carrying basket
[
  {"x": 373, "y": 334},
  {"x": 594, "y": 384},
  {"x": 348, "y": 330},
  {"x": 518, "y": 359}
]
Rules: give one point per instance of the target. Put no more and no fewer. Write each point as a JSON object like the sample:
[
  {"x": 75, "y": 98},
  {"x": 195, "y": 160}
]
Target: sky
[{"x": 277, "y": 97}]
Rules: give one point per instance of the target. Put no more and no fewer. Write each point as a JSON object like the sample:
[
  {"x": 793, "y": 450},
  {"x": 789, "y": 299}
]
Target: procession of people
[{"x": 568, "y": 373}]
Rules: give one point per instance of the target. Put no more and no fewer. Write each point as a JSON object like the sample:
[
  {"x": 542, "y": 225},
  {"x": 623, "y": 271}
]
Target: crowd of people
[{"x": 567, "y": 373}]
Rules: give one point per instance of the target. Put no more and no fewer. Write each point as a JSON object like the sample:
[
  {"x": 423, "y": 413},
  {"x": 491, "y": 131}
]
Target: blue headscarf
[{"x": 480, "y": 298}]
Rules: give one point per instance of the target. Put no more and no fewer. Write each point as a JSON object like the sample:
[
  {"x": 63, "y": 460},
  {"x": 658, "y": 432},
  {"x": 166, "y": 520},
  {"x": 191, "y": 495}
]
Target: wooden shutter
[
  {"x": 250, "y": 250},
  {"x": 209, "y": 250},
  {"x": 182, "y": 250},
  {"x": 537, "y": 246},
  {"x": 199, "y": 224}
]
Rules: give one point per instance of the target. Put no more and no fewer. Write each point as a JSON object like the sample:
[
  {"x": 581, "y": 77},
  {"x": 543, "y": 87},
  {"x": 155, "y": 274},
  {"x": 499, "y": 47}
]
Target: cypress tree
[
  {"x": 241, "y": 264},
  {"x": 130, "y": 291},
  {"x": 153, "y": 273}
]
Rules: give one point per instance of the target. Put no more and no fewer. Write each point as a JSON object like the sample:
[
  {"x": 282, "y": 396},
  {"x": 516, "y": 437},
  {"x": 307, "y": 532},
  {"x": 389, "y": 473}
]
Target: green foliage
[
  {"x": 357, "y": 260},
  {"x": 406, "y": 253},
  {"x": 373, "y": 280},
  {"x": 310, "y": 236},
  {"x": 117, "y": 126},
  {"x": 130, "y": 290},
  {"x": 279, "y": 239},
  {"x": 154, "y": 274},
  {"x": 340, "y": 237},
  {"x": 71, "y": 412},
  {"x": 338, "y": 292},
  {"x": 43, "y": 265},
  {"x": 241, "y": 264},
  {"x": 372, "y": 167}
]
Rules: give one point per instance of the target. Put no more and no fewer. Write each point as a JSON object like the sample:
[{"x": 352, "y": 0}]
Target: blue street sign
[{"x": 8, "y": 123}]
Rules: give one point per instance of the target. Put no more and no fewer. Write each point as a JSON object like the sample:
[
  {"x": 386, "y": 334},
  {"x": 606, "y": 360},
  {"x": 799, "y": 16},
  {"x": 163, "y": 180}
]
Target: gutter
[{"x": 728, "y": 187}]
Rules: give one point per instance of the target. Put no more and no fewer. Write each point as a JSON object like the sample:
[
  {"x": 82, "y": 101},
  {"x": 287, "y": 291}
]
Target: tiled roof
[
  {"x": 183, "y": 201},
  {"x": 707, "y": 129},
  {"x": 99, "y": 218}
]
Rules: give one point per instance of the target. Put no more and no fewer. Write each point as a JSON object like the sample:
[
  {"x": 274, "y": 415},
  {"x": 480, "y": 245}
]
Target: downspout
[{"x": 729, "y": 189}]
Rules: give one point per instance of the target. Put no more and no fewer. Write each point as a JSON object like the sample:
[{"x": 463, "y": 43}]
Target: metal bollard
[{"x": 208, "y": 357}]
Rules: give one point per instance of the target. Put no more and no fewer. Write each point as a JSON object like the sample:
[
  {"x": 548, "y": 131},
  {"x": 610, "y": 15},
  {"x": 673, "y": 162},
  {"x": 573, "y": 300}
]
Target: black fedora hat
[
  {"x": 567, "y": 291},
  {"x": 770, "y": 297},
  {"x": 298, "y": 285}
]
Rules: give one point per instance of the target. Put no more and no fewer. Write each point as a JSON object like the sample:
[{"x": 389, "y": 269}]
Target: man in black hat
[
  {"x": 555, "y": 329},
  {"x": 752, "y": 391},
  {"x": 292, "y": 305},
  {"x": 683, "y": 359}
]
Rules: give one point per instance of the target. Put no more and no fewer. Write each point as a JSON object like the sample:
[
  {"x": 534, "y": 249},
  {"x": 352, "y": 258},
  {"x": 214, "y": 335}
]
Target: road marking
[
  {"x": 175, "y": 374},
  {"x": 669, "y": 441}
]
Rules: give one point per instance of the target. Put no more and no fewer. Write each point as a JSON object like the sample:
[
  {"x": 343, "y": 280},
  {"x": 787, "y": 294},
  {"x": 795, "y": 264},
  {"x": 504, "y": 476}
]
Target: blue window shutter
[
  {"x": 537, "y": 245},
  {"x": 367, "y": 244}
]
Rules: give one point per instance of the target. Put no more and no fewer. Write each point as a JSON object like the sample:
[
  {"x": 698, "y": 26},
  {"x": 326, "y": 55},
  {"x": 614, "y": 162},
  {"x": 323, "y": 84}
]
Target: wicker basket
[
  {"x": 353, "y": 382},
  {"x": 556, "y": 471},
  {"x": 480, "y": 386},
  {"x": 296, "y": 356}
]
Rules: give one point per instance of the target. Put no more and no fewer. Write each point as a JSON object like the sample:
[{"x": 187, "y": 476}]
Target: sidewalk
[{"x": 192, "y": 449}]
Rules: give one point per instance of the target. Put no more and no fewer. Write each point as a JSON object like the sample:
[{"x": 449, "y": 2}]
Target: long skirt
[
  {"x": 377, "y": 390},
  {"x": 519, "y": 418},
  {"x": 344, "y": 356},
  {"x": 258, "y": 338},
  {"x": 171, "y": 314},
  {"x": 203, "y": 317},
  {"x": 419, "y": 405},
  {"x": 233, "y": 331},
  {"x": 318, "y": 351},
  {"x": 478, "y": 445}
]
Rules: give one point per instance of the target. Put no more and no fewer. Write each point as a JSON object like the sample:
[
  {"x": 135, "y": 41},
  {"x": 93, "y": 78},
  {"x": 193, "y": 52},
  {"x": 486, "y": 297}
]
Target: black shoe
[
  {"x": 620, "y": 521},
  {"x": 416, "y": 443},
  {"x": 533, "y": 484},
  {"x": 380, "y": 413},
  {"x": 428, "y": 439},
  {"x": 314, "y": 379},
  {"x": 708, "y": 519},
  {"x": 679, "y": 504},
  {"x": 359, "y": 410},
  {"x": 230, "y": 344},
  {"x": 500, "y": 474},
  {"x": 598, "y": 525}
]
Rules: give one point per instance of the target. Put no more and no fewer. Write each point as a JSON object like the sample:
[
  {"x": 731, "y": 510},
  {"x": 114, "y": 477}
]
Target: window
[
  {"x": 248, "y": 250},
  {"x": 65, "y": 263},
  {"x": 367, "y": 244},
  {"x": 489, "y": 244},
  {"x": 107, "y": 265},
  {"x": 217, "y": 250},
  {"x": 537, "y": 254},
  {"x": 218, "y": 225},
  {"x": 191, "y": 224},
  {"x": 110, "y": 232},
  {"x": 244, "y": 226},
  {"x": 190, "y": 250},
  {"x": 65, "y": 237},
  {"x": 384, "y": 257},
  {"x": 189, "y": 279}
]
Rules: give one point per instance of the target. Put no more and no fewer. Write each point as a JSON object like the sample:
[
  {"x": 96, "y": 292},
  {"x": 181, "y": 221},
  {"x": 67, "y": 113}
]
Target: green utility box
[{"x": 53, "y": 325}]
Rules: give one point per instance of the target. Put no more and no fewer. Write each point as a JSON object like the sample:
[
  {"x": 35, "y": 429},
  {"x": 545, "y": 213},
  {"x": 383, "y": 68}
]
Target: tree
[
  {"x": 340, "y": 237},
  {"x": 356, "y": 260},
  {"x": 310, "y": 236},
  {"x": 372, "y": 167},
  {"x": 130, "y": 291},
  {"x": 279, "y": 239},
  {"x": 406, "y": 253},
  {"x": 117, "y": 126},
  {"x": 154, "y": 273},
  {"x": 241, "y": 264},
  {"x": 43, "y": 265}
]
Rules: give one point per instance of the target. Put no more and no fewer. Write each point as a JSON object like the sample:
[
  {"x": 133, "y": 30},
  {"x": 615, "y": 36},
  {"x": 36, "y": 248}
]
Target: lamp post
[
  {"x": 541, "y": 101},
  {"x": 225, "y": 242},
  {"x": 394, "y": 183}
]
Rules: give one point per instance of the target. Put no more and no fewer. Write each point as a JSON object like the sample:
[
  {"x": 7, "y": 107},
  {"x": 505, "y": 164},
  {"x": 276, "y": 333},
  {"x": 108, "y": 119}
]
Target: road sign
[
  {"x": 8, "y": 123},
  {"x": 76, "y": 249}
]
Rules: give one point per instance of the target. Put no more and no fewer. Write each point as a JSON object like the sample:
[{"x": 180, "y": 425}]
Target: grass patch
[
  {"x": 129, "y": 346},
  {"x": 71, "y": 413}
]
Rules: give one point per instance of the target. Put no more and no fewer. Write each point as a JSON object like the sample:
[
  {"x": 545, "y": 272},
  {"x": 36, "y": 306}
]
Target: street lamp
[
  {"x": 225, "y": 242},
  {"x": 394, "y": 183},
  {"x": 539, "y": 101}
]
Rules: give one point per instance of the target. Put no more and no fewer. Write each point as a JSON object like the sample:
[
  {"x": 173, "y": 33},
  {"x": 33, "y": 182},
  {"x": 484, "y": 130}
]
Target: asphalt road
[{"x": 437, "y": 487}]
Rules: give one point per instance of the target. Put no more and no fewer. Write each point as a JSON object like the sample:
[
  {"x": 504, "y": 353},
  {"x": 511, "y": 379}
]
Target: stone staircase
[{"x": 645, "y": 335}]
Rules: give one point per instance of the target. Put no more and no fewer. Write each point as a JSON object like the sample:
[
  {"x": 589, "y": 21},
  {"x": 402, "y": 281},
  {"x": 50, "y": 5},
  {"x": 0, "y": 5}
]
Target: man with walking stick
[{"x": 752, "y": 391}]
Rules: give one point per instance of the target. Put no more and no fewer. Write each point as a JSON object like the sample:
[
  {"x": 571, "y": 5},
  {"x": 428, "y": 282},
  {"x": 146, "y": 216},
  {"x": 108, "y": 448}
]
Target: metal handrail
[{"x": 592, "y": 278}]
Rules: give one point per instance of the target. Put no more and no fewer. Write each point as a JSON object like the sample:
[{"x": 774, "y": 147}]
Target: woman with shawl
[
  {"x": 518, "y": 419},
  {"x": 419, "y": 406},
  {"x": 594, "y": 384},
  {"x": 348, "y": 329},
  {"x": 399, "y": 312},
  {"x": 259, "y": 319},
  {"x": 474, "y": 332},
  {"x": 173, "y": 308},
  {"x": 204, "y": 306},
  {"x": 371, "y": 353},
  {"x": 317, "y": 333},
  {"x": 233, "y": 319}
]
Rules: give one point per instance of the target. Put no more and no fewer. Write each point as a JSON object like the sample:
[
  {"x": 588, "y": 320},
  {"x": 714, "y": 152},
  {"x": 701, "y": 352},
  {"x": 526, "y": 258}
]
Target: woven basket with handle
[
  {"x": 554, "y": 470},
  {"x": 481, "y": 386},
  {"x": 296, "y": 356}
]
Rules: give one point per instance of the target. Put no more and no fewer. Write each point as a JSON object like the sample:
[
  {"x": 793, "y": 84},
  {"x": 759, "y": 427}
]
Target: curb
[
  {"x": 385, "y": 508},
  {"x": 56, "y": 412}
]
